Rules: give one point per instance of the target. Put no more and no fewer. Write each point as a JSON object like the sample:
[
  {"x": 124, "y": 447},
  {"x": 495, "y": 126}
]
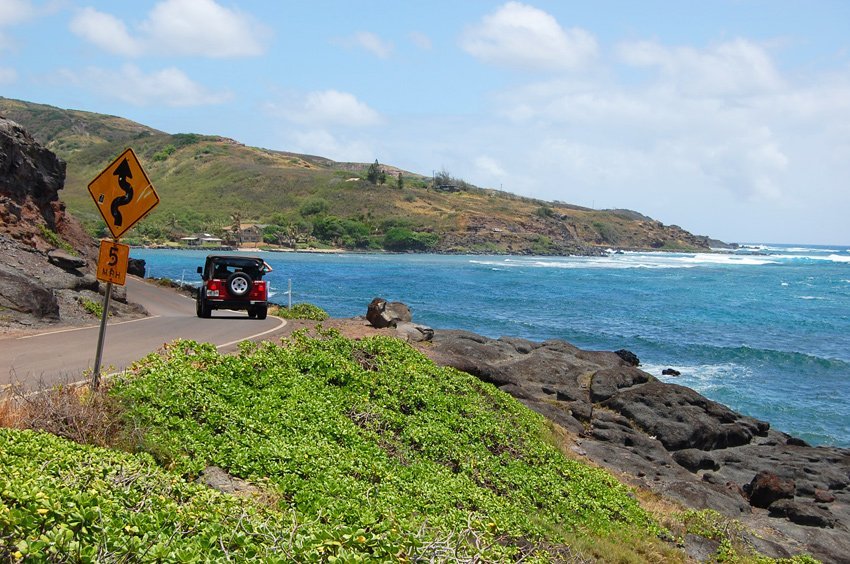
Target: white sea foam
[
  {"x": 659, "y": 260},
  {"x": 700, "y": 377}
]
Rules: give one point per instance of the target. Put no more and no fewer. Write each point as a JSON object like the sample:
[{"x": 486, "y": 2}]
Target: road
[{"x": 63, "y": 356}]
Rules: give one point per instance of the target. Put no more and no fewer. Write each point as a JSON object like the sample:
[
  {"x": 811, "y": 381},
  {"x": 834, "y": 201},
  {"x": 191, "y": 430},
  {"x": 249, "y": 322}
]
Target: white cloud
[
  {"x": 421, "y": 40},
  {"x": 521, "y": 36},
  {"x": 370, "y": 42},
  {"x": 732, "y": 67},
  {"x": 204, "y": 28},
  {"x": 176, "y": 28},
  {"x": 106, "y": 32},
  {"x": 327, "y": 108},
  {"x": 321, "y": 142},
  {"x": 13, "y": 12},
  {"x": 166, "y": 87},
  {"x": 489, "y": 167}
]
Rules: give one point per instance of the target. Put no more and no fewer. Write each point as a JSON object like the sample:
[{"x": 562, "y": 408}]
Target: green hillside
[{"x": 208, "y": 183}]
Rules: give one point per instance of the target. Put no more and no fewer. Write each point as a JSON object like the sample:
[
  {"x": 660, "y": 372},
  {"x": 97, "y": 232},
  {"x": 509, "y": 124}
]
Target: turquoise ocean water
[{"x": 764, "y": 330}]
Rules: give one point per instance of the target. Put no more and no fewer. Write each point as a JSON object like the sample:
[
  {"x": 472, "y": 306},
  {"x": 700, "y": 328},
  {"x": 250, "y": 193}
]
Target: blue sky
[{"x": 730, "y": 118}]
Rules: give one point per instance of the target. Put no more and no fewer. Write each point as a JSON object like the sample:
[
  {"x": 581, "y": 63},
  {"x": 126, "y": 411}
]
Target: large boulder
[
  {"x": 766, "y": 488},
  {"x": 136, "y": 267},
  {"x": 382, "y": 313},
  {"x": 26, "y": 295}
]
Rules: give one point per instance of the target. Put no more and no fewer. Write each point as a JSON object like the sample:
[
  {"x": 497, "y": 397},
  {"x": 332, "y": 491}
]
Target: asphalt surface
[{"x": 65, "y": 355}]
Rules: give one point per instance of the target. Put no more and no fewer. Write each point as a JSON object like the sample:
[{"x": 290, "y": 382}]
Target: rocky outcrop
[
  {"x": 45, "y": 274},
  {"x": 671, "y": 439},
  {"x": 382, "y": 313}
]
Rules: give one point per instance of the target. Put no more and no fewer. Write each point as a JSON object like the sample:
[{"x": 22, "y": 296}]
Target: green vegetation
[
  {"x": 92, "y": 307},
  {"x": 54, "y": 239},
  {"x": 300, "y": 311}
]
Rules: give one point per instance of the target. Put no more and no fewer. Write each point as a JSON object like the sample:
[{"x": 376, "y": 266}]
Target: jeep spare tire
[{"x": 239, "y": 284}]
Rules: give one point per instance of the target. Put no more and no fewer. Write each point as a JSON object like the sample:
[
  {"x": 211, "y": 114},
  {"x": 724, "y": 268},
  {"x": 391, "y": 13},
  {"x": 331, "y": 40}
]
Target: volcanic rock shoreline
[{"x": 672, "y": 440}]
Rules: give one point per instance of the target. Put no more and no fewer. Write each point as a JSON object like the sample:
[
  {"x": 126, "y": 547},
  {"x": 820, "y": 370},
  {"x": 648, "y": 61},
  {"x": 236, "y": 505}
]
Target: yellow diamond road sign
[{"x": 123, "y": 193}]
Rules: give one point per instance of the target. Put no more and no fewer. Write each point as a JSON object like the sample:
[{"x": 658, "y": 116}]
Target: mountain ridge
[{"x": 209, "y": 183}]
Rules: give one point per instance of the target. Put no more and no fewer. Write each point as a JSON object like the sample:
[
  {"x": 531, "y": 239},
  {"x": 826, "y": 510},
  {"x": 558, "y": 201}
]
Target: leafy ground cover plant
[
  {"x": 300, "y": 311},
  {"x": 373, "y": 437}
]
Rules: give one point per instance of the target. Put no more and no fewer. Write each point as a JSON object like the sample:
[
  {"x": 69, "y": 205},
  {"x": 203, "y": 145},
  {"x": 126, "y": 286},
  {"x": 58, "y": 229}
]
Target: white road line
[
  {"x": 86, "y": 327},
  {"x": 272, "y": 330}
]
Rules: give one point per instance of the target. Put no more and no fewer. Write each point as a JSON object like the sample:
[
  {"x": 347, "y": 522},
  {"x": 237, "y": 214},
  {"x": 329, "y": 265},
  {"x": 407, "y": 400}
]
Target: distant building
[{"x": 201, "y": 239}]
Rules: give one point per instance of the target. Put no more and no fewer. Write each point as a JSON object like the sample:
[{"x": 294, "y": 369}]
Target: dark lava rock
[
  {"x": 766, "y": 488},
  {"x": 65, "y": 260},
  {"x": 609, "y": 381},
  {"x": 630, "y": 357},
  {"x": 670, "y": 372},
  {"x": 806, "y": 514},
  {"x": 382, "y": 313},
  {"x": 681, "y": 418},
  {"x": 695, "y": 460},
  {"x": 136, "y": 267},
  {"x": 27, "y": 295},
  {"x": 412, "y": 332}
]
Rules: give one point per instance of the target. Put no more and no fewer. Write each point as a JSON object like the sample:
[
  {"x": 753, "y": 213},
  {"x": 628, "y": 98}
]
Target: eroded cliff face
[
  {"x": 31, "y": 212},
  {"x": 46, "y": 257}
]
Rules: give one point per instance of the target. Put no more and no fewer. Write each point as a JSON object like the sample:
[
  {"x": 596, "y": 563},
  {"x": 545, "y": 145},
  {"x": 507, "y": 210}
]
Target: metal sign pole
[{"x": 100, "y": 338}]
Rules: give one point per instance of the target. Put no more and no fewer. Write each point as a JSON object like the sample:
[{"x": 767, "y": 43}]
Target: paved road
[{"x": 62, "y": 356}]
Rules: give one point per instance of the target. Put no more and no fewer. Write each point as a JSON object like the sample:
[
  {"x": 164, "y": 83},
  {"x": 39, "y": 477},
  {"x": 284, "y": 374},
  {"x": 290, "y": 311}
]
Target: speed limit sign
[{"x": 112, "y": 262}]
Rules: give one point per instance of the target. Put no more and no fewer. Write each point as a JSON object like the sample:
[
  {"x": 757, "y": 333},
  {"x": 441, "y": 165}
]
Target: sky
[{"x": 729, "y": 118}]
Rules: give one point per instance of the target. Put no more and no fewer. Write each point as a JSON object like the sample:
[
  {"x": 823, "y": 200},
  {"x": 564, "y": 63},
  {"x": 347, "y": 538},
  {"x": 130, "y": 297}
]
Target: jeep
[{"x": 233, "y": 282}]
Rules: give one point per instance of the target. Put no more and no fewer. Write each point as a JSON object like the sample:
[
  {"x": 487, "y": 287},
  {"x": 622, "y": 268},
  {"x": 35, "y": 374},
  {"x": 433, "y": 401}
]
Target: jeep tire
[
  {"x": 201, "y": 307},
  {"x": 239, "y": 284}
]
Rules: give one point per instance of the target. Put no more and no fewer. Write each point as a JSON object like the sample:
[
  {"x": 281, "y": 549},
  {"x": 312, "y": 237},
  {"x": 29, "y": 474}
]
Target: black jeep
[{"x": 233, "y": 282}]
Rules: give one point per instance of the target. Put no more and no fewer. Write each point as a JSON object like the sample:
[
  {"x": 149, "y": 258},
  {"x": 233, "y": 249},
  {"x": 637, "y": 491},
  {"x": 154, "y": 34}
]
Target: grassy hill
[{"x": 203, "y": 181}]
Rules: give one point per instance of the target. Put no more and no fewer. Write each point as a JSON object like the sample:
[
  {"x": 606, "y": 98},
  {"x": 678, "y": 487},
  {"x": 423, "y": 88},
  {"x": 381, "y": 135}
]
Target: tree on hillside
[
  {"x": 375, "y": 174},
  {"x": 400, "y": 182}
]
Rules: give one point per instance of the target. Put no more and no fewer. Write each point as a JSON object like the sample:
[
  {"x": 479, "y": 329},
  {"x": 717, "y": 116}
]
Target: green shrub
[
  {"x": 301, "y": 311},
  {"x": 91, "y": 306},
  {"x": 54, "y": 239},
  {"x": 403, "y": 239}
]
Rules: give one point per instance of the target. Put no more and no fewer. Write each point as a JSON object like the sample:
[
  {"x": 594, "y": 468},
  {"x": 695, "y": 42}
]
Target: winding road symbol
[
  {"x": 123, "y": 193},
  {"x": 123, "y": 172}
]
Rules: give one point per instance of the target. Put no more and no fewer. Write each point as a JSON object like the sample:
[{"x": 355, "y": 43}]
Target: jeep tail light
[
  {"x": 258, "y": 292},
  {"x": 213, "y": 288}
]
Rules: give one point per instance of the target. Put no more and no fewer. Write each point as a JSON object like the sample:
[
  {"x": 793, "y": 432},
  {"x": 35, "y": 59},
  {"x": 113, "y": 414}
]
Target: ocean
[{"x": 764, "y": 330}]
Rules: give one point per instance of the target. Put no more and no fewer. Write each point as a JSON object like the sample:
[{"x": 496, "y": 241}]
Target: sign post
[{"x": 123, "y": 195}]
